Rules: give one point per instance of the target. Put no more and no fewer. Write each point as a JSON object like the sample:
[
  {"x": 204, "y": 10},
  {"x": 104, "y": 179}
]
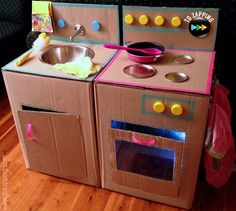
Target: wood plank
[
  {"x": 119, "y": 202},
  {"x": 90, "y": 197},
  {"x": 38, "y": 193},
  {"x": 99, "y": 200},
  {"x": 8, "y": 141},
  {"x": 64, "y": 196},
  {"x": 19, "y": 182},
  {"x": 6, "y": 122},
  {"x": 4, "y": 104},
  {"x": 16, "y": 155}
]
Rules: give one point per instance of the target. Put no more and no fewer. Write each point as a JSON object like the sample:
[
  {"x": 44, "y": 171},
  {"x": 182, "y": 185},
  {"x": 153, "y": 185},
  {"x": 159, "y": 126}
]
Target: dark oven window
[{"x": 149, "y": 161}]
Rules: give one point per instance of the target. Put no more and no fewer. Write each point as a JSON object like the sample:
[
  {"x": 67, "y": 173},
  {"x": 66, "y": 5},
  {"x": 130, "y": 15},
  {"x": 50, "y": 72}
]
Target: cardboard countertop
[
  {"x": 199, "y": 72},
  {"x": 34, "y": 66}
]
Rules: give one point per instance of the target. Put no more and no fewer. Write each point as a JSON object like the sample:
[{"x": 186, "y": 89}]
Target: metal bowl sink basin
[{"x": 63, "y": 54}]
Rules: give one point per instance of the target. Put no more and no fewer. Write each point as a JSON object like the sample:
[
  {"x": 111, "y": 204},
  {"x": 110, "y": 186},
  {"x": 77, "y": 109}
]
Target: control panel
[
  {"x": 168, "y": 107},
  {"x": 183, "y": 28}
]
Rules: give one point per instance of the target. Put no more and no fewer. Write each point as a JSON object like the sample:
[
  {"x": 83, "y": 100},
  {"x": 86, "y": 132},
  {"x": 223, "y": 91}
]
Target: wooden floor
[{"x": 28, "y": 190}]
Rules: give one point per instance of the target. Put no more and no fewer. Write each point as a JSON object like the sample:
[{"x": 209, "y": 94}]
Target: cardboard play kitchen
[
  {"x": 146, "y": 113},
  {"x": 53, "y": 110},
  {"x": 151, "y": 117}
]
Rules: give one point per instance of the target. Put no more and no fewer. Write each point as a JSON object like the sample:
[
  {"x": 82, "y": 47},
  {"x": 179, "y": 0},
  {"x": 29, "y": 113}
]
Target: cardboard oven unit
[
  {"x": 151, "y": 130},
  {"x": 147, "y": 154}
]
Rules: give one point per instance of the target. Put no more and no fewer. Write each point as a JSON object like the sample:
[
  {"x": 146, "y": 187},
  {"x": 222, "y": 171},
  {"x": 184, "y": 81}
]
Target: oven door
[{"x": 146, "y": 162}]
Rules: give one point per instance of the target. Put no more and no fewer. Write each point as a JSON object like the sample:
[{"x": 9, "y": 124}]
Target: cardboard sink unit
[
  {"x": 141, "y": 137},
  {"x": 54, "y": 111}
]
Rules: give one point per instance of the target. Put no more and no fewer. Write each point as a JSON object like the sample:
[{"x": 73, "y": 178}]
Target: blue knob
[
  {"x": 61, "y": 23},
  {"x": 96, "y": 25}
]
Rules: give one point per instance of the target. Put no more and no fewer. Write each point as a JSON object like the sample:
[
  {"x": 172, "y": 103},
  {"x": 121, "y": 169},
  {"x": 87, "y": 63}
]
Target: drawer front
[
  {"x": 54, "y": 143},
  {"x": 145, "y": 162}
]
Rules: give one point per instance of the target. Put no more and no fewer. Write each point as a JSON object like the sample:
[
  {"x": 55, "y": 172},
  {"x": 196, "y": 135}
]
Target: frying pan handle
[
  {"x": 159, "y": 55},
  {"x": 156, "y": 58},
  {"x": 127, "y": 43}
]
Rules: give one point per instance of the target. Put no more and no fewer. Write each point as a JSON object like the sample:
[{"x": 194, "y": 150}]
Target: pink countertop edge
[{"x": 207, "y": 89}]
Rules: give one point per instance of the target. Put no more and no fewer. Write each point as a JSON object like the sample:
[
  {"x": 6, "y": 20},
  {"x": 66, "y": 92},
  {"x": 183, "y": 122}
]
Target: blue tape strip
[
  {"x": 138, "y": 28},
  {"x": 99, "y": 6},
  {"x": 171, "y": 9},
  {"x": 76, "y": 40}
]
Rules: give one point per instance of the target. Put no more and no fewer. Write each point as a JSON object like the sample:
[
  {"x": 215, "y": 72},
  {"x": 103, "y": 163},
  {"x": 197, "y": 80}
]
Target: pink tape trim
[
  {"x": 207, "y": 89},
  {"x": 29, "y": 131},
  {"x": 108, "y": 65},
  {"x": 150, "y": 142},
  {"x": 210, "y": 73},
  {"x": 154, "y": 87}
]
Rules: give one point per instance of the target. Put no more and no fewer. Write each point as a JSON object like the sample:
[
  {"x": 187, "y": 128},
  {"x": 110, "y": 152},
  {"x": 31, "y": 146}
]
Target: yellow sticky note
[{"x": 42, "y": 7}]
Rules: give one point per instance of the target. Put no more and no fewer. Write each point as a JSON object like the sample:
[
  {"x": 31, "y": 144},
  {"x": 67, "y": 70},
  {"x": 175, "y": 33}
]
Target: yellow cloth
[
  {"x": 83, "y": 67},
  {"x": 42, "y": 7}
]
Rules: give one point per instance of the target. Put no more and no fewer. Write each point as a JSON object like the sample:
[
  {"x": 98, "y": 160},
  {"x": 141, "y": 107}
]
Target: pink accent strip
[
  {"x": 207, "y": 89},
  {"x": 154, "y": 87},
  {"x": 210, "y": 73},
  {"x": 150, "y": 142},
  {"x": 108, "y": 65},
  {"x": 29, "y": 131}
]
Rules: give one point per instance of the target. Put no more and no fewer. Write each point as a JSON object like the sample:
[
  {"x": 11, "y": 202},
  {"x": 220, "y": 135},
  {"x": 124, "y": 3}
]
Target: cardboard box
[
  {"x": 125, "y": 115},
  {"x": 62, "y": 140}
]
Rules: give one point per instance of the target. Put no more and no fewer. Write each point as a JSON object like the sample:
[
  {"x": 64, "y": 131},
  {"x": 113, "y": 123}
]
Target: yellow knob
[
  {"x": 176, "y": 21},
  {"x": 159, "y": 107},
  {"x": 129, "y": 19},
  {"x": 177, "y": 109},
  {"x": 159, "y": 20},
  {"x": 143, "y": 19}
]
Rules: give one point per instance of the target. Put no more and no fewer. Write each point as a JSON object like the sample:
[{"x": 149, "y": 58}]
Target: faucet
[{"x": 79, "y": 29}]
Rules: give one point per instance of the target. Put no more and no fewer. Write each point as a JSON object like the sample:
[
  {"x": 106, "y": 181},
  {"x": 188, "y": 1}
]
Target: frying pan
[{"x": 142, "y": 57}]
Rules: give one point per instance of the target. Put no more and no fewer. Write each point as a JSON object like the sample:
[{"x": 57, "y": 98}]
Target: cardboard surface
[
  {"x": 126, "y": 105},
  {"x": 199, "y": 72},
  {"x": 85, "y": 15},
  {"x": 65, "y": 138},
  {"x": 36, "y": 67},
  {"x": 172, "y": 37}
]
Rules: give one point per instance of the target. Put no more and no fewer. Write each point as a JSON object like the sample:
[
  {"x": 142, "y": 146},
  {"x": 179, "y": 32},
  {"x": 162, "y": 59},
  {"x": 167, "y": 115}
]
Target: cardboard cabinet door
[{"x": 54, "y": 143}]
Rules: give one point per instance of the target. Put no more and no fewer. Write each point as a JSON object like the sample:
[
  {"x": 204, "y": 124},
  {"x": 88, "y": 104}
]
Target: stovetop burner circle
[
  {"x": 140, "y": 71},
  {"x": 183, "y": 59},
  {"x": 177, "y": 77}
]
